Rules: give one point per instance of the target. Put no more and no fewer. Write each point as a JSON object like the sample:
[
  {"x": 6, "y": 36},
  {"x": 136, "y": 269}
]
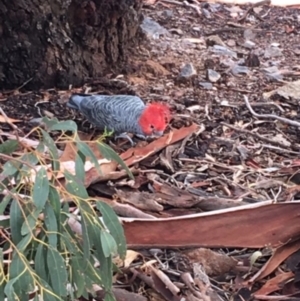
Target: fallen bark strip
[{"x": 249, "y": 226}]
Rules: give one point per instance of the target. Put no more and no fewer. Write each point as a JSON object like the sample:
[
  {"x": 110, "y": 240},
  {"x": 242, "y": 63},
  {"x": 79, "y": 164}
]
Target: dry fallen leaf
[
  {"x": 280, "y": 254},
  {"x": 135, "y": 155},
  {"x": 130, "y": 257},
  {"x": 274, "y": 284}
]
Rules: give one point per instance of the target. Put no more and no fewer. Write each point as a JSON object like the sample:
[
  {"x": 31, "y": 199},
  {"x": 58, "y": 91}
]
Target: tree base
[{"x": 64, "y": 42}]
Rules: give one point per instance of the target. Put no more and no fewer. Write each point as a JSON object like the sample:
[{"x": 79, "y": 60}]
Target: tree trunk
[{"x": 56, "y": 43}]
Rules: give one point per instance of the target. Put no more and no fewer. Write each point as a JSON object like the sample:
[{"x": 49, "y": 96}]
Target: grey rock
[
  {"x": 206, "y": 85},
  {"x": 187, "y": 71},
  {"x": 212, "y": 75}
]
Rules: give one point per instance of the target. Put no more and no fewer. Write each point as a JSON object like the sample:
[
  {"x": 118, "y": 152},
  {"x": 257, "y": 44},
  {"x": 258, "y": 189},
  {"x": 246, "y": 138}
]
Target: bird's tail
[{"x": 75, "y": 101}]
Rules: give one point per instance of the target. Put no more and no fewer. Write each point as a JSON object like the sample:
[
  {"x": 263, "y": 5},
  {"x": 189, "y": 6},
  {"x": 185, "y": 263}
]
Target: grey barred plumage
[
  {"x": 113, "y": 112},
  {"x": 122, "y": 114}
]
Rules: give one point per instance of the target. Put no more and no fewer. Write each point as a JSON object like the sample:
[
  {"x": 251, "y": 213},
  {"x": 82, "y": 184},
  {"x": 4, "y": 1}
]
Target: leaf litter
[{"x": 223, "y": 182}]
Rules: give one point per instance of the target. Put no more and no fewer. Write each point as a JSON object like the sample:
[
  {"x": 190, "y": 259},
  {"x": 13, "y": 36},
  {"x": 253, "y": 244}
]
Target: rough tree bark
[{"x": 62, "y": 42}]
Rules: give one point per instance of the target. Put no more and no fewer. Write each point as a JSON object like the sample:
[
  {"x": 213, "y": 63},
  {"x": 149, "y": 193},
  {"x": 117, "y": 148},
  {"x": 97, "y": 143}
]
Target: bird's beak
[{"x": 158, "y": 133}]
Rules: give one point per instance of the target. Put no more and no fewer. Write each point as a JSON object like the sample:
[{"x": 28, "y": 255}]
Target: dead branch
[
  {"x": 262, "y": 138},
  {"x": 271, "y": 116}
]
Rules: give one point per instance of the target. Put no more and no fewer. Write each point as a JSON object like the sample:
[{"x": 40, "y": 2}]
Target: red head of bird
[{"x": 155, "y": 119}]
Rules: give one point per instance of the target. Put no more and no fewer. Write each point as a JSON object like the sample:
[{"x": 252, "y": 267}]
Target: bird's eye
[{"x": 152, "y": 126}]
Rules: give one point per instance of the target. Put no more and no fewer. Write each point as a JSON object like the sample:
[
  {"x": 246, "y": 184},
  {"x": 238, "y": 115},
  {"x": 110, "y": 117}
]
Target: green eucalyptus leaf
[
  {"x": 30, "y": 222},
  {"x": 3, "y": 204},
  {"x": 19, "y": 269},
  {"x": 47, "y": 293},
  {"x": 109, "y": 245},
  {"x": 10, "y": 168},
  {"x": 50, "y": 122},
  {"x": 75, "y": 186},
  {"x": 71, "y": 242},
  {"x": 24, "y": 243},
  {"x": 40, "y": 191},
  {"x": 88, "y": 153},
  {"x": 54, "y": 200},
  {"x": 40, "y": 260},
  {"x": 114, "y": 226},
  {"x": 68, "y": 125},
  {"x": 8, "y": 146},
  {"x": 51, "y": 225},
  {"x": 86, "y": 238},
  {"x": 108, "y": 153},
  {"x": 16, "y": 221},
  {"x": 31, "y": 159},
  {"x": 78, "y": 278},
  {"x": 105, "y": 269},
  {"x": 10, "y": 291},
  {"x": 79, "y": 167},
  {"x": 48, "y": 141},
  {"x": 57, "y": 272}
]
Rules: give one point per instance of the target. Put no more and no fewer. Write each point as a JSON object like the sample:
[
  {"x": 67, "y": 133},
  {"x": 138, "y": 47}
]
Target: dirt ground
[{"x": 207, "y": 61}]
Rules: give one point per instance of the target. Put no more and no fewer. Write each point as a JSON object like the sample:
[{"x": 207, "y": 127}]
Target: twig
[
  {"x": 249, "y": 10},
  {"x": 18, "y": 88},
  {"x": 194, "y": 6},
  {"x": 231, "y": 29},
  {"x": 260, "y": 104},
  {"x": 14, "y": 127},
  {"x": 7, "y": 157},
  {"x": 282, "y": 119},
  {"x": 253, "y": 104},
  {"x": 172, "y": 2},
  {"x": 262, "y": 138},
  {"x": 281, "y": 150}
]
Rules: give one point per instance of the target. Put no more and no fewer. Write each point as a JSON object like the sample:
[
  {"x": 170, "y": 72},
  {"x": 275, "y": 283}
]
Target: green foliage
[
  {"x": 47, "y": 252},
  {"x": 8, "y": 146}
]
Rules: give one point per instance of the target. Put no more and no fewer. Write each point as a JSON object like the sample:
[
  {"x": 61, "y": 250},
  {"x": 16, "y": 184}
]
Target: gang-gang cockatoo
[{"x": 123, "y": 114}]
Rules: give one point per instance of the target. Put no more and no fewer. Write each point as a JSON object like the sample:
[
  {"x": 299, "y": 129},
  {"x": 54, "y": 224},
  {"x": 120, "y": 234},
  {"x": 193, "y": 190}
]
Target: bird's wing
[{"x": 111, "y": 112}]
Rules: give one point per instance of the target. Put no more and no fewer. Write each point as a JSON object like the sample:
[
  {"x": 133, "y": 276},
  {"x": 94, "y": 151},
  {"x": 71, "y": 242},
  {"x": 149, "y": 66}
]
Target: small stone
[
  {"x": 196, "y": 28},
  {"x": 273, "y": 73},
  {"x": 231, "y": 43},
  {"x": 158, "y": 88},
  {"x": 237, "y": 69},
  {"x": 206, "y": 13},
  {"x": 153, "y": 29},
  {"x": 221, "y": 50},
  {"x": 187, "y": 71},
  {"x": 275, "y": 44},
  {"x": 212, "y": 75},
  {"x": 249, "y": 44},
  {"x": 36, "y": 121},
  {"x": 272, "y": 52},
  {"x": 214, "y": 40},
  {"x": 272, "y": 69},
  {"x": 167, "y": 13},
  {"x": 249, "y": 34},
  {"x": 206, "y": 85}
]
